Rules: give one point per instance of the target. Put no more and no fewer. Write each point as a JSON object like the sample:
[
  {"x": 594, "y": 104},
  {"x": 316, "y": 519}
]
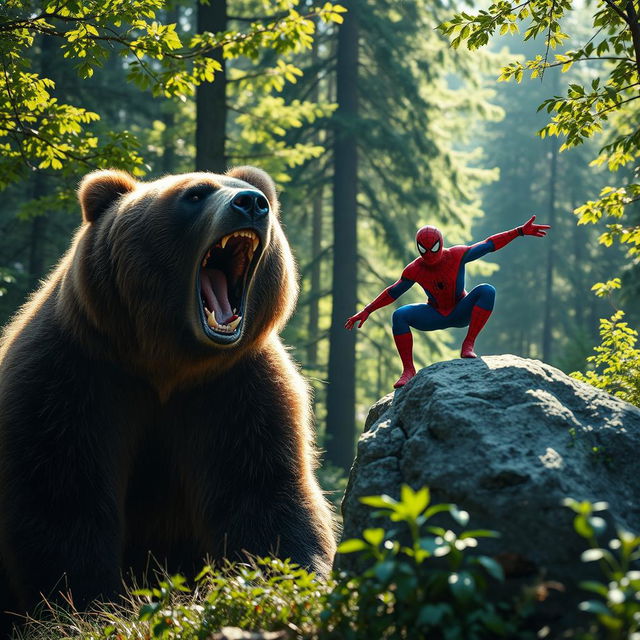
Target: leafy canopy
[
  {"x": 613, "y": 52},
  {"x": 39, "y": 132}
]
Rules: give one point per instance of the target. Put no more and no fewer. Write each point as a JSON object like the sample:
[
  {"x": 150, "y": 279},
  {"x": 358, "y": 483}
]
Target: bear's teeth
[
  {"x": 224, "y": 328},
  {"x": 243, "y": 233}
]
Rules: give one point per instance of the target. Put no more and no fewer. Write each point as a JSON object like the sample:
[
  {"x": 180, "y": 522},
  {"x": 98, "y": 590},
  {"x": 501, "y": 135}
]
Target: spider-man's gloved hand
[
  {"x": 531, "y": 229},
  {"x": 500, "y": 240},
  {"x": 359, "y": 317}
]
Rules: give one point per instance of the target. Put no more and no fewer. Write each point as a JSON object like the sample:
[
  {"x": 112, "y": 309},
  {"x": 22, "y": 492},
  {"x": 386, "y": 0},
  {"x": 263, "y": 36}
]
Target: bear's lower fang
[{"x": 224, "y": 328}]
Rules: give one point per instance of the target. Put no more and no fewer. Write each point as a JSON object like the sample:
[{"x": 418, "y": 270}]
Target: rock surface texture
[{"x": 507, "y": 439}]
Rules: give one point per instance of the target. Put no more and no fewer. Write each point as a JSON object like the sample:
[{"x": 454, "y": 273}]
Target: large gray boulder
[{"x": 507, "y": 439}]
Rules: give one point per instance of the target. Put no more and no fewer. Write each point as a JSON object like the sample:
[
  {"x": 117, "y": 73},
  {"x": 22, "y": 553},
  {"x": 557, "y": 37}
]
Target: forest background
[{"x": 372, "y": 125}]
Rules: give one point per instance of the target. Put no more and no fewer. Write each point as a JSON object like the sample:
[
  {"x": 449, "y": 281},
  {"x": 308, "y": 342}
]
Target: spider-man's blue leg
[
  {"x": 419, "y": 316},
  {"x": 473, "y": 310}
]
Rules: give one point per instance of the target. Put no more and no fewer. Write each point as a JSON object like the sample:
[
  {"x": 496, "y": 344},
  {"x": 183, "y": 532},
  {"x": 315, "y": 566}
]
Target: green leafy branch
[
  {"x": 37, "y": 132},
  {"x": 89, "y": 26},
  {"x": 616, "y": 605},
  {"x": 615, "y": 364}
]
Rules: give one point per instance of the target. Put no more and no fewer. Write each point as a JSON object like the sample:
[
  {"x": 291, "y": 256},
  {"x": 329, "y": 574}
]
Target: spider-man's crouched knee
[{"x": 485, "y": 295}]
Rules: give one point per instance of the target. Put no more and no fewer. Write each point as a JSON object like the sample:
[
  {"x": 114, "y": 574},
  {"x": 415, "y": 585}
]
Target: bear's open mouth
[{"x": 225, "y": 272}]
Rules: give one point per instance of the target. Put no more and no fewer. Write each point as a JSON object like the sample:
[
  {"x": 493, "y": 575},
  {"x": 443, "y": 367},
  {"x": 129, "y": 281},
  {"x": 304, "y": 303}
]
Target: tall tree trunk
[
  {"x": 340, "y": 430},
  {"x": 316, "y": 243},
  {"x": 548, "y": 295},
  {"x": 168, "y": 162},
  {"x": 169, "y": 115},
  {"x": 38, "y": 233},
  {"x": 579, "y": 302},
  {"x": 314, "y": 305},
  {"x": 40, "y": 223},
  {"x": 211, "y": 97}
]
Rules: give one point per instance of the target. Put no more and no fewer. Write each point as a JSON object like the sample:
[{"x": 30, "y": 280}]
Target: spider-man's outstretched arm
[
  {"x": 499, "y": 240},
  {"x": 386, "y": 297}
]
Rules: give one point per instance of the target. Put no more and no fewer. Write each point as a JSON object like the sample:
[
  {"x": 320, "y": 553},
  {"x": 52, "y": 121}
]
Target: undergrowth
[{"x": 415, "y": 579}]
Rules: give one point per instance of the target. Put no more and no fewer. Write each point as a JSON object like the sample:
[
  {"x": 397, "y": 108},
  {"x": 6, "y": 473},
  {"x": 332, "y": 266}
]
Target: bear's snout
[{"x": 251, "y": 204}]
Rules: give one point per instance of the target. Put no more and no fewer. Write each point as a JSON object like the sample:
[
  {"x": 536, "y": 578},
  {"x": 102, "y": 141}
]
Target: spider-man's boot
[
  {"x": 404, "y": 344},
  {"x": 479, "y": 317}
]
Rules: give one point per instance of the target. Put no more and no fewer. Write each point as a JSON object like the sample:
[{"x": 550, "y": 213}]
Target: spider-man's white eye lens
[
  {"x": 421, "y": 249},
  {"x": 436, "y": 247}
]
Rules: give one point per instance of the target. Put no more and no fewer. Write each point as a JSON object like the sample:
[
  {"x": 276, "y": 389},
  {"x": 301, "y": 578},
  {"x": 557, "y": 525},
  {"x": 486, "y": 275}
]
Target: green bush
[
  {"x": 616, "y": 603},
  {"x": 266, "y": 593},
  {"x": 615, "y": 365},
  {"x": 429, "y": 587}
]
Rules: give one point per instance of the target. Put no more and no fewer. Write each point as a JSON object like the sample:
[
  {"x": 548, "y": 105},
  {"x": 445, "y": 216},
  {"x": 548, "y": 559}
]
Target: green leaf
[
  {"x": 147, "y": 611},
  {"x": 460, "y": 516},
  {"x": 462, "y": 585},
  {"x": 415, "y": 502},
  {"x": 595, "y": 587},
  {"x": 493, "y": 568},
  {"x": 384, "y": 571},
  {"x": 352, "y": 545},
  {"x": 374, "y": 536},
  {"x": 582, "y": 526},
  {"x": 598, "y": 524},
  {"x": 380, "y": 502},
  {"x": 206, "y": 570},
  {"x": 436, "y": 508},
  {"x": 432, "y": 614},
  {"x": 594, "y": 606},
  {"x": 592, "y": 555},
  {"x": 479, "y": 533}
]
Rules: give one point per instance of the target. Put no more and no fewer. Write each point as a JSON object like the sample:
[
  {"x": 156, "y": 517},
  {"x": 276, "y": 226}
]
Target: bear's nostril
[
  {"x": 243, "y": 202},
  {"x": 262, "y": 205}
]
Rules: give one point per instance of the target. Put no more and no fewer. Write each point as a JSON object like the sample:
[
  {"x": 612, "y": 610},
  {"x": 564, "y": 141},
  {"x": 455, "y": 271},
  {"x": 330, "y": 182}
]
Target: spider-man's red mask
[{"x": 429, "y": 241}]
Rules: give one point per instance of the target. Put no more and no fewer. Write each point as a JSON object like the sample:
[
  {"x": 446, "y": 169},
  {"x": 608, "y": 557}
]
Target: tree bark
[
  {"x": 547, "y": 337},
  {"x": 316, "y": 243},
  {"x": 314, "y": 304},
  {"x": 211, "y": 97},
  {"x": 169, "y": 115},
  {"x": 340, "y": 428},
  {"x": 579, "y": 302},
  {"x": 40, "y": 223},
  {"x": 38, "y": 236},
  {"x": 634, "y": 26}
]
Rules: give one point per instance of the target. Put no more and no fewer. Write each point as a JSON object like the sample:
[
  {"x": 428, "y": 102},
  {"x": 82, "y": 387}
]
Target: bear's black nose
[{"x": 251, "y": 203}]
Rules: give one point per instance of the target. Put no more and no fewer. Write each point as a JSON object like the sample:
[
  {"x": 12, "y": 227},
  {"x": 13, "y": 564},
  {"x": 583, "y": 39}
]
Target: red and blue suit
[{"x": 440, "y": 272}]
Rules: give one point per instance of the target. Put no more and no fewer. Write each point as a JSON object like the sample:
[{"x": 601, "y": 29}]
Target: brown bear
[{"x": 147, "y": 404}]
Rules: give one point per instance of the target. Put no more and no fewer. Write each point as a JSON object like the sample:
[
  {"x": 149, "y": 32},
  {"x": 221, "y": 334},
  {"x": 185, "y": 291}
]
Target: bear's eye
[{"x": 198, "y": 193}]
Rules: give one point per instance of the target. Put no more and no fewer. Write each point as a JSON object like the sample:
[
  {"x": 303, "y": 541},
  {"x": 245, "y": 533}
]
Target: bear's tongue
[{"x": 213, "y": 283}]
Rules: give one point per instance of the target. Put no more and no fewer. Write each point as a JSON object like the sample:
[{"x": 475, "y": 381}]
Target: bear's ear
[
  {"x": 259, "y": 179},
  {"x": 100, "y": 189}
]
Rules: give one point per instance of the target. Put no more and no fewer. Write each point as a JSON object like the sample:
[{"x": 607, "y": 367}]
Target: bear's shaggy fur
[{"x": 127, "y": 425}]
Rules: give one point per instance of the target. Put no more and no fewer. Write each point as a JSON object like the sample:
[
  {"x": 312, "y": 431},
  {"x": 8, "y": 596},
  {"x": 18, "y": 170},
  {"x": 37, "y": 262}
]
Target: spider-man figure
[{"x": 440, "y": 272}]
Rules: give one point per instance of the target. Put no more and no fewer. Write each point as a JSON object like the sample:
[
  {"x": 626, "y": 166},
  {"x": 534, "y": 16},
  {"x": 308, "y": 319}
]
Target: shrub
[
  {"x": 429, "y": 587},
  {"x": 616, "y": 603}
]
